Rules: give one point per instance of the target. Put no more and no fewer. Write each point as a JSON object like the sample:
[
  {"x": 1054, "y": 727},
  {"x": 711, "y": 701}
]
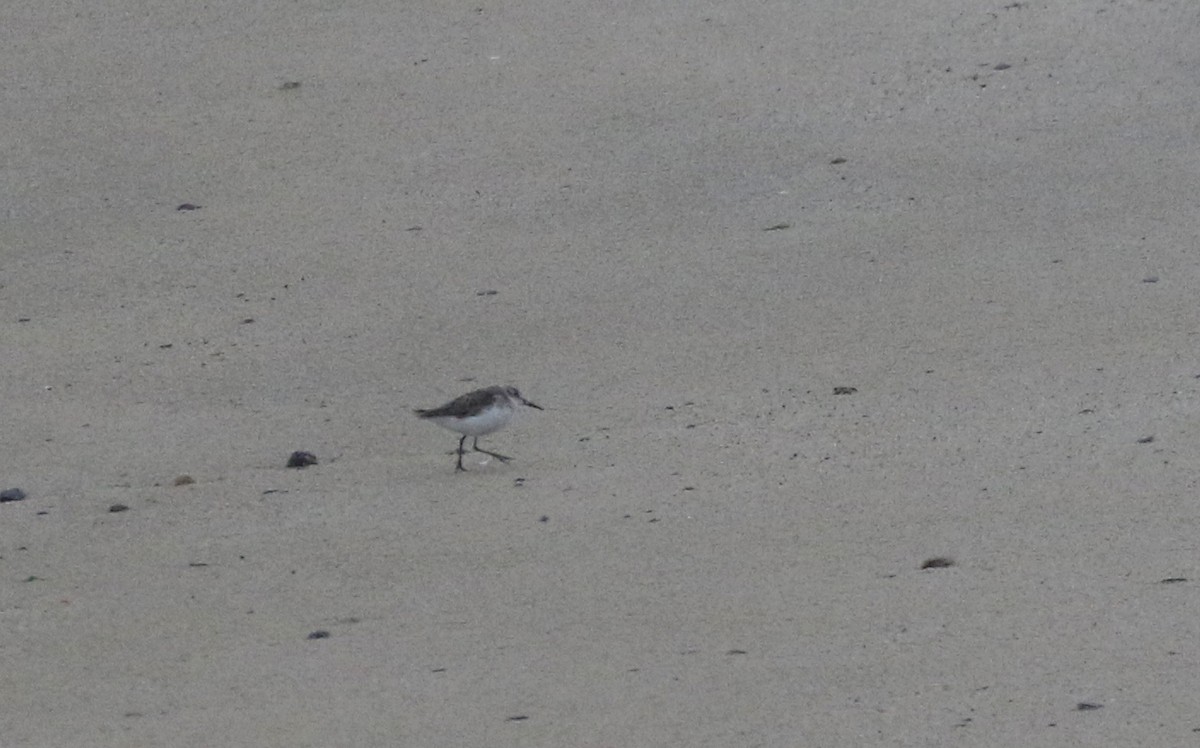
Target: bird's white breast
[{"x": 492, "y": 418}]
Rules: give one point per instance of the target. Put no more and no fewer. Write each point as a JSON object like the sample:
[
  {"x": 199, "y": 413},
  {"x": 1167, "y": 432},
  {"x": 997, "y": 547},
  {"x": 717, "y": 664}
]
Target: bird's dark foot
[
  {"x": 458, "y": 467},
  {"x": 499, "y": 457}
]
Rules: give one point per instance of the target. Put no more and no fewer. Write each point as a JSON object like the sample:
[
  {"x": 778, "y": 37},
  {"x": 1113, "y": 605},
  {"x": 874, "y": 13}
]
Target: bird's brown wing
[{"x": 461, "y": 407}]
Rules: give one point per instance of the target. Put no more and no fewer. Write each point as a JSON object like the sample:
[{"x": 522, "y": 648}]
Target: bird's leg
[
  {"x": 461, "y": 442},
  {"x": 499, "y": 457}
]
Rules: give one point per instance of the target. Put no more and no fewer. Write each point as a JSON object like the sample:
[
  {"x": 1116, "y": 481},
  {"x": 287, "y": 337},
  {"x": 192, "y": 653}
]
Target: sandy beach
[{"x": 814, "y": 295}]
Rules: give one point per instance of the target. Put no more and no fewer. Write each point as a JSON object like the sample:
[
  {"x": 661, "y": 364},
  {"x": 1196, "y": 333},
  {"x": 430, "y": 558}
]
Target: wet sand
[{"x": 680, "y": 229}]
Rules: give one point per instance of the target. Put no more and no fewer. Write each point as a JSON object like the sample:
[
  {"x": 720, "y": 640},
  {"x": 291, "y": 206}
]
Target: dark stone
[
  {"x": 11, "y": 494},
  {"x": 301, "y": 459}
]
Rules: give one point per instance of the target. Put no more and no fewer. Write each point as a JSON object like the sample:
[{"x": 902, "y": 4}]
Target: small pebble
[
  {"x": 189, "y": 206},
  {"x": 844, "y": 390},
  {"x": 301, "y": 459},
  {"x": 937, "y": 562},
  {"x": 118, "y": 508},
  {"x": 11, "y": 494},
  {"x": 1088, "y": 706},
  {"x": 322, "y": 634},
  {"x": 184, "y": 480}
]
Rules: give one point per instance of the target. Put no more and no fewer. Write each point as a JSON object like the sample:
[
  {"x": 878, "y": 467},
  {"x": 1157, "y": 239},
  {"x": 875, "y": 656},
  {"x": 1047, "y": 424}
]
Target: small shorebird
[{"x": 476, "y": 414}]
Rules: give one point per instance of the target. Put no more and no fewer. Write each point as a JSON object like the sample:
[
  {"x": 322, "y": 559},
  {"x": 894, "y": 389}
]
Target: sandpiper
[{"x": 476, "y": 414}]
